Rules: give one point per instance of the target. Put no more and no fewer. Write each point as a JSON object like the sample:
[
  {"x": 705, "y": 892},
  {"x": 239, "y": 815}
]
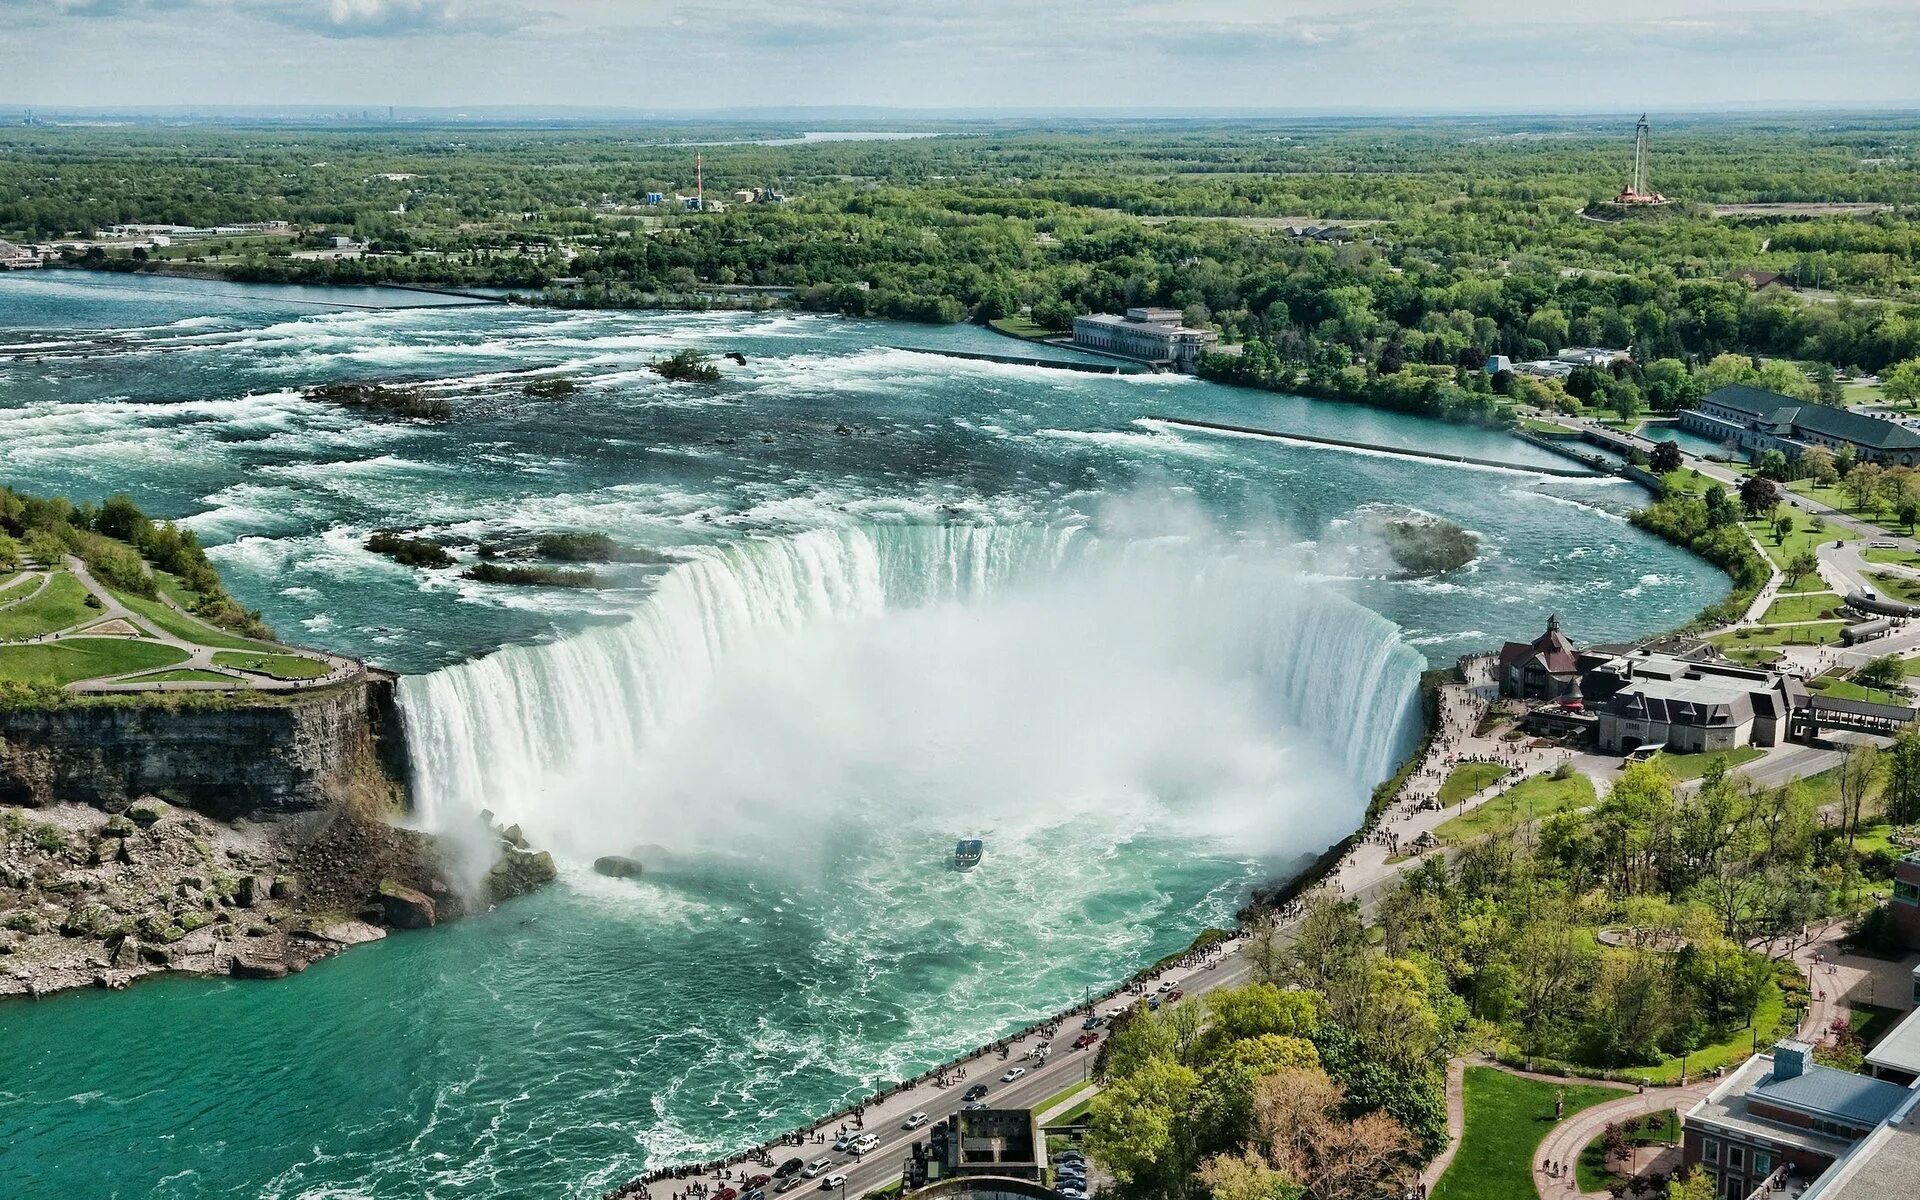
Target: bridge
[{"x": 1824, "y": 714}]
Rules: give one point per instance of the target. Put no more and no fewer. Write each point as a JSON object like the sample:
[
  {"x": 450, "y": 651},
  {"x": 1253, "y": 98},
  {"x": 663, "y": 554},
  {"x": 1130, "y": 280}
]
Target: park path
[
  {"x": 1456, "y": 1125},
  {"x": 1567, "y": 1139}
]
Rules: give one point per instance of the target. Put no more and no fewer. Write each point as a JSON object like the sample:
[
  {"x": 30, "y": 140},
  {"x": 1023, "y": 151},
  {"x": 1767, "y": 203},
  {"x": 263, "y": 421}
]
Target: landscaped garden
[
  {"x": 1507, "y": 1119},
  {"x": 1602, "y": 1165},
  {"x": 1529, "y": 800},
  {"x": 1469, "y": 779}
]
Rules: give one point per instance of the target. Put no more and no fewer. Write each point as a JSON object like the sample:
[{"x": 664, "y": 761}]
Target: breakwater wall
[
  {"x": 1344, "y": 443},
  {"x": 1018, "y": 360}
]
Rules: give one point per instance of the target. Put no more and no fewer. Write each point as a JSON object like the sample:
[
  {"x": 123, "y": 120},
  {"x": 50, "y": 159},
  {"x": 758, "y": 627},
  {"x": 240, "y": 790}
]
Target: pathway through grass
[{"x": 1507, "y": 1119}]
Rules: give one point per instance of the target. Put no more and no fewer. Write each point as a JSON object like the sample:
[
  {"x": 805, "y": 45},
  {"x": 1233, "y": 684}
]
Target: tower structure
[
  {"x": 1639, "y": 191},
  {"x": 700, "y": 182}
]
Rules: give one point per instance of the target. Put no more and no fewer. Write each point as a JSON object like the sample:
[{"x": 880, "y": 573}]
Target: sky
[{"x": 1434, "y": 55}]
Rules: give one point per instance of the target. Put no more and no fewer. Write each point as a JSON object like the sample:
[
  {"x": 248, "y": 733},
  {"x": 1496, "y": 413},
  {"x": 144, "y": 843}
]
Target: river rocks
[
  {"x": 519, "y": 872},
  {"x": 147, "y": 813},
  {"x": 249, "y": 889},
  {"x": 118, "y": 826},
  {"x": 404, "y": 908},
  {"x": 617, "y": 866},
  {"x": 246, "y": 968}
]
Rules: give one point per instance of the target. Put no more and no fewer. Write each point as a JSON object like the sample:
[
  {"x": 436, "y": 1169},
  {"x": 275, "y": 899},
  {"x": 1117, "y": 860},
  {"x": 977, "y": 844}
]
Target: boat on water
[{"x": 966, "y": 855}]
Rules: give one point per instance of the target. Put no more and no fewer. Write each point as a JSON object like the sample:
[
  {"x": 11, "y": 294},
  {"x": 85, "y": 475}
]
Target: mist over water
[
  {"x": 884, "y": 600},
  {"x": 951, "y": 680}
]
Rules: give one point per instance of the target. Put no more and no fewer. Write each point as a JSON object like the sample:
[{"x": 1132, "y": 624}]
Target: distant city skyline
[{"x": 673, "y": 55}]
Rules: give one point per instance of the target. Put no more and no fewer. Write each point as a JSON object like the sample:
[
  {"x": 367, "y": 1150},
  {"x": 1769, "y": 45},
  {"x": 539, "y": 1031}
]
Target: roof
[
  {"x": 1726, "y": 1108},
  {"x": 1553, "y": 649},
  {"x": 1696, "y": 702},
  {"x": 1883, "y": 1166},
  {"x": 1862, "y": 708},
  {"x": 1825, "y": 1091},
  {"x": 1899, "y": 1049},
  {"x": 1786, "y": 416}
]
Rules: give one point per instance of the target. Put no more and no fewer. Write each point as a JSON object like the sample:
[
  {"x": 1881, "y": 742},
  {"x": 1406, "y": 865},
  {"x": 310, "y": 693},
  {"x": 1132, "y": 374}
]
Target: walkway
[
  {"x": 1456, "y": 1125},
  {"x": 1566, "y": 1140}
]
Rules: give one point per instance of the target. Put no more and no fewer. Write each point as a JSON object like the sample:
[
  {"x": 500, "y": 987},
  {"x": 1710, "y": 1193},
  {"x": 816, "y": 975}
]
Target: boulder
[
  {"x": 618, "y": 866},
  {"x": 117, "y": 826},
  {"x": 245, "y": 968},
  {"x": 147, "y": 813},
  {"x": 515, "y": 835},
  {"x": 519, "y": 872},
  {"x": 404, "y": 908},
  {"x": 249, "y": 891},
  {"x": 285, "y": 887}
]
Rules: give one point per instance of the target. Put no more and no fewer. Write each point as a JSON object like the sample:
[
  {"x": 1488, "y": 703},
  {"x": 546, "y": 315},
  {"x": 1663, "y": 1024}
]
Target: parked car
[
  {"x": 1153, "y": 1003},
  {"x": 754, "y": 1194},
  {"x": 846, "y": 1139},
  {"x": 759, "y": 1181},
  {"x": 975, "y": 1092},
  {"x": 1012, "y": 1074},
  {"x": 1175, "y": 994},
  {"x": 1093, "y": 1022},
  {"x": 1085, "y": 1040},
  {"x": 833, "y": 1182},
  {"x": 915, "y": 1121},
  {"x": 975, "y": 1106},
  {"x": 788, "y": 1184},
  {"x": 819, "y": 1166},
  {"x": 789, "y": 1167},
  {"x": 1070, "y": 1155},
  {"x": 864, "y": 1143},
  {"x": 725, "y": 1194}
]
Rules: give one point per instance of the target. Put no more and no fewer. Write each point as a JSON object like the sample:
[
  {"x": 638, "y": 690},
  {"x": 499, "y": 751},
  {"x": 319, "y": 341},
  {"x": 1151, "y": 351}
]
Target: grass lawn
[
  {"x": 1803, "y": 537},
  {"x": 17, "y": 580},
  {"x": 1693, "y": 766},
  {"x": 1820, "y": 633},
  {"x": 1897, "y": 586},
  {"x": 1806, "y": 606},
  {"x": 280, "y": 666},
  {"x": 1686, "y": 480},
  {"x": 55, "y": 664},
  {"x": 187, "y": 628},
  {"x": 1870, "y": 1022},
  {"x": 1847, "y": 689},
  {"x": 1020, "y": 326},
  {"x": 1899, "y": 558},
  {"x": 189, "y": 675},
  {"x": 62, "y": 605},
  {"x": 1467, "y": 779},
  {"x": 170, "y": 586},
  {"x": 1528, "y": 800},
  {"x": 1507, "y": 1119},
  {"x": 1591, "y": 1170}
]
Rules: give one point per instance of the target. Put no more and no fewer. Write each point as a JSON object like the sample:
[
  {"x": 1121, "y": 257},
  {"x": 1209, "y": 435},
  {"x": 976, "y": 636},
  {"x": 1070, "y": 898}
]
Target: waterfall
[{"x": 926, "y": 664}]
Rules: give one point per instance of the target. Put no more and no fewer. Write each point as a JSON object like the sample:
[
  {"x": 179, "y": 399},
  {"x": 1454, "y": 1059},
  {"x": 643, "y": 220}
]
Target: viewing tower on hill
[{"x": 1638, "y": 191}]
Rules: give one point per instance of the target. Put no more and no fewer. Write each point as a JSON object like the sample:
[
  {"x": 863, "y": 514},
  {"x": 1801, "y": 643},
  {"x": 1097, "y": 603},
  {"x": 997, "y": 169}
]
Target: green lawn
[
  {"x": 1847, "y": 689},
  {"x": 1693, "y": 766},
  {"x": 1686, "y": 480},
  {"x": 1896, "y": 557},
  {"x": 1803, "y": 537},
  {"x": 20, "y": 580},
  {"x": 1020, "y": 326},
  {"x": 1820, "y": 633},
  {"x": 187, "y": 628},
  {"x": 1591, "y": 1170},
  {"x": 171, "y": 587},
  {"x": 1870, "y": 1022},
  {"x": 1467, "y": 779},
  {"x": 1899, "y": 587},
  {"x": 1507, "y": 1119},
  {"x": 1529, "y": 800},
  {"x": 64, "y": 604},
  {"x": 280, "y": 666},
  {"x": 189, "y": 675},
  {"x": 1805, "y": 606},
  {"x": 54, "y": 664}
]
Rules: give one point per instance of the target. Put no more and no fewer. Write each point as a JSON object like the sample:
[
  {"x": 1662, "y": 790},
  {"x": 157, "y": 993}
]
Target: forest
[{"x": 1790, "y": 238}]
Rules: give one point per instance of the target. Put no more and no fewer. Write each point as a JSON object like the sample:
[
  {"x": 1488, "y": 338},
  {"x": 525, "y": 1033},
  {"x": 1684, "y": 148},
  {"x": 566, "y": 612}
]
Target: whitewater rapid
[{"x": 900, "y": 673}]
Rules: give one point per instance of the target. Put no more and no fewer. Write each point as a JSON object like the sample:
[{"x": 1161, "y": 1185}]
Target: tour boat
[{"x": 966, "y": 855}]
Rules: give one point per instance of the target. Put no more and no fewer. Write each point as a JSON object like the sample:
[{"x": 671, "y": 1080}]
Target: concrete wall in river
[{"x": 323, "y": 749}]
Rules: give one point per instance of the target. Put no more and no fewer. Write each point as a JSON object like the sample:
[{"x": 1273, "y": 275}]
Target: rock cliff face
[{"x": 330, "y": 748}]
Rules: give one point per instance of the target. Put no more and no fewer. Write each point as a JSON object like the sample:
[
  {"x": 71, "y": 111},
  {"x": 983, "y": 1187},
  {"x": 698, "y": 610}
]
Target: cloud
[{"x": 391, "y": 18}]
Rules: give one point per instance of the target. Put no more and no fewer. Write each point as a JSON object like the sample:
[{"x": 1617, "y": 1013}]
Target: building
[
  {"x": 1904, "y": 907},
  {"x": 1547, "y": 668},
  {"x": 1688, "y": 706},
  {"x": 1783, "y": 1115},
  {"x": 17, "y": 258},
  {"x": 1152, "y": 335},
  {"x": 983, "y": 1144},
  {"x": 1896, "y": 1056},
  {"x": 1756, "y": 421},
  {"x": 1884, "y": 1166}
]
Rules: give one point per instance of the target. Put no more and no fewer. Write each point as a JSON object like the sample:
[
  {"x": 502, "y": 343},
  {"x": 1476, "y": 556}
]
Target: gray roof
[
  {"x": 1787, "y": 416},
  {"x": 1900, "y": 1048},
  {"x": 1726, "y": 1108},
  {"x": 1683, "y": 702},
  {"x": 1829, "y": 1092},
  {"x": 1886, "y": 1166}
]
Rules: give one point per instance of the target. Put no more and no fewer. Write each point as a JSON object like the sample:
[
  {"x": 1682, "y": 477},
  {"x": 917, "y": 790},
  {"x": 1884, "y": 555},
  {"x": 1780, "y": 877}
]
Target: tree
[
  {"x": 1884, "y": 673},
  {"x": 1138, "y": 1128},
  {"x": 1817, "y": 462},
  {"x": 1330, "y": 955},
  {"x": 1856, "y": 775},
  {"x": 1826, "y": 383},
  {"x": 1901, "y": 382},
  {"x": 1903, "y": 777},
  {"x": 1773, "y": 465},
  {"x": 1695, "y": 1185},
  {"x": 1666, "y": 457},
  {"x": 1802, "y": 564},
  {"x": 1758, "y": 494},
  {"x": 1310, "y": 1138},
  {"x": 1862, "y": 486},
  {"x": 1782, "y": 526},
  {"x": 1245, "y": 1176}
]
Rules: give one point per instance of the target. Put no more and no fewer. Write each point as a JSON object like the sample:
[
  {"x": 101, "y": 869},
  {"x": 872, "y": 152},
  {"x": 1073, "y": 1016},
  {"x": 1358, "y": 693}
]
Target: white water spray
[{"x": 776, "y": 693}]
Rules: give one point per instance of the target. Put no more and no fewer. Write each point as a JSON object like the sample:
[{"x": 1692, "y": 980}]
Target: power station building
[{"x": 1152, "y": 335}]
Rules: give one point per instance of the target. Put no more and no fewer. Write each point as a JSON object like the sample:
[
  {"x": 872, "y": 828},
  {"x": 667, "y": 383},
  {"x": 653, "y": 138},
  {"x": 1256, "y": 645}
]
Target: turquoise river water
[{"x": 881, "y": 599}]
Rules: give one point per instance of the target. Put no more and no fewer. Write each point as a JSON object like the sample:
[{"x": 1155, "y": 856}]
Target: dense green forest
[{"x": 1462, "y": 238}]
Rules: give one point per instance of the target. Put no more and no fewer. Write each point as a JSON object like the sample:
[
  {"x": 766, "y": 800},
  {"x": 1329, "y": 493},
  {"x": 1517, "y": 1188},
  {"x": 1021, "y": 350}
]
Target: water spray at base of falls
[{"x": 774, "y": 691}]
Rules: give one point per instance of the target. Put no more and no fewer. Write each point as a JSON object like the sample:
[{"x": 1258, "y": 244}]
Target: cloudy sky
[{"x": 1540, "y": 55}]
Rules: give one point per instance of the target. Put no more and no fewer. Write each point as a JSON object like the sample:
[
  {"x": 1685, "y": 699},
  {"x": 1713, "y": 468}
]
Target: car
[
  {"x": 864, "y": 1143},
  {"x": 846, "y": 1139},
  {"x": 1070, "y": 1155},
  {"x": 1086, "y": 1039},
  {"x": 975, "y": 1092},
  {"x": 759, "y": 1181},
  {"x": 725, "y": 1194},
  {"x": 833, "y": 1182},
  {"x": 1071, "y": 1192},
  {"x": 1012, "y": 1074},
  {"x": 790, "y": 1167},
  {"x": 1153, "y": 1003},
  {"x": 788, "y": 1184},
  {"x": 754, "y": 1194},
  {"x": 818, "y": 1167},
  {"x": 915, "y": 1121},
  {"x": 1175, "y": 994},
  {"x": 1093, "y": 1022},
  {"x": 974, "y": 1106},
  {"x": 1166, "y": 985},
  {"x": 1071, "y": 1171}
]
